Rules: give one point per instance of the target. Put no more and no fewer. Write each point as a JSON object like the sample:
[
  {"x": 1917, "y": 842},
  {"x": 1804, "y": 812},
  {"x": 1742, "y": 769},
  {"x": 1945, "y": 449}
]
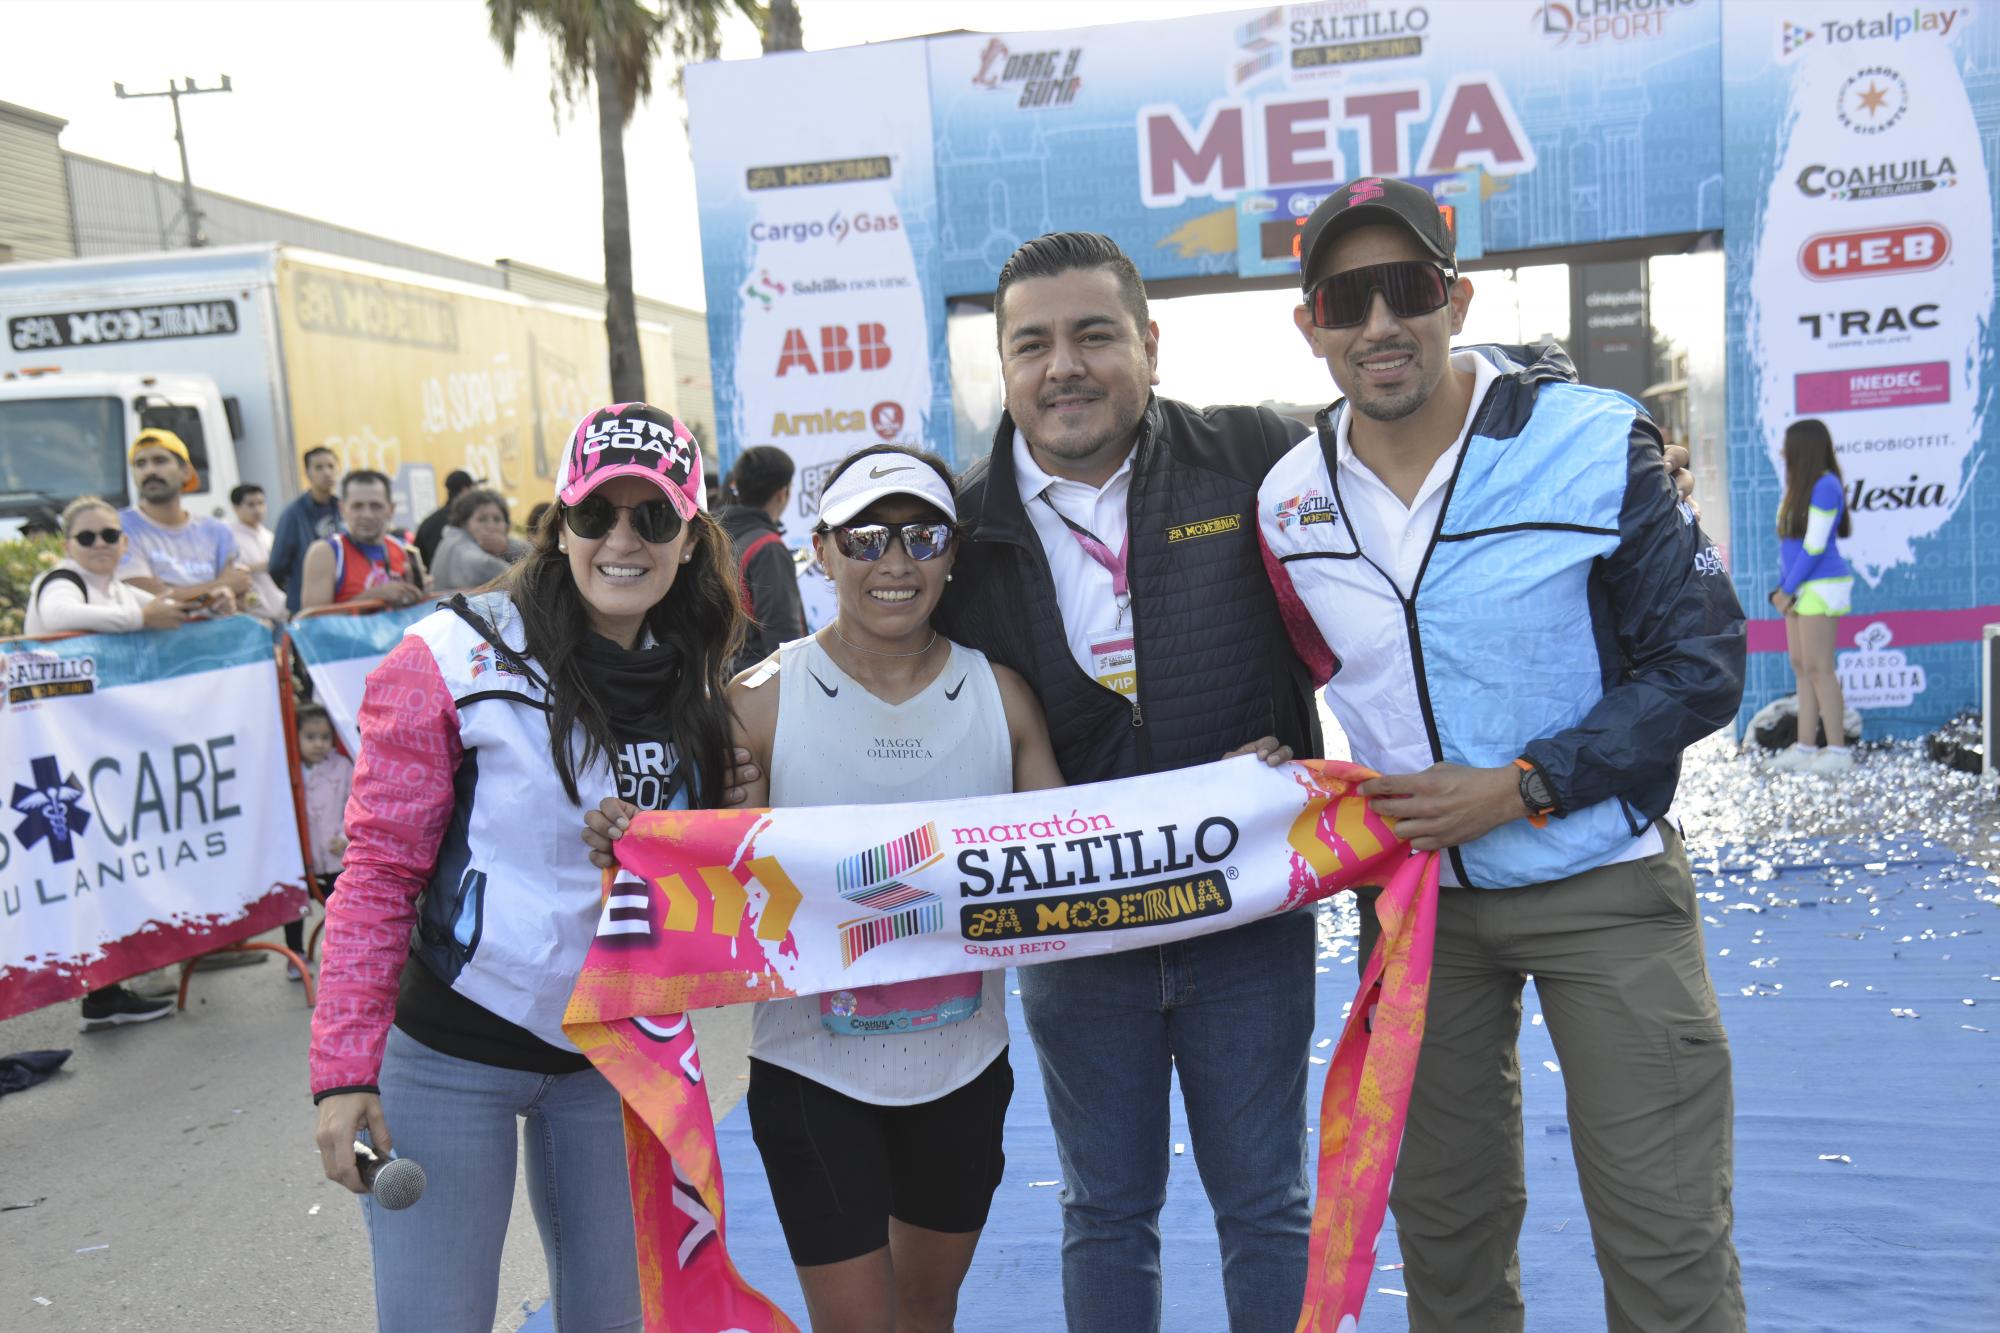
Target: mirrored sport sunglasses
[
  {"x": 1412, "y": 287},
  {"x": 87, "y": 538},
  {"x": 923, "y": 541},
  {"x": 655, "y": 521}
]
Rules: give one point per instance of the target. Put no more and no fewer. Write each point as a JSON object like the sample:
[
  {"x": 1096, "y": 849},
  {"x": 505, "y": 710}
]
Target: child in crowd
[{"x": 327, "y": 774}]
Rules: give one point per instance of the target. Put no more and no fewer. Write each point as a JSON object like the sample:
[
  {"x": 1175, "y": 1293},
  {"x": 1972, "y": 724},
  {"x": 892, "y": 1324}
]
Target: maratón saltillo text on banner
[{"x": 716, "y": 907}]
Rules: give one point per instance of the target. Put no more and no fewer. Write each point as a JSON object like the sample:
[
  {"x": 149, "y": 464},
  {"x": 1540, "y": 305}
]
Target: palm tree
[{"x": 613, "y": 44}]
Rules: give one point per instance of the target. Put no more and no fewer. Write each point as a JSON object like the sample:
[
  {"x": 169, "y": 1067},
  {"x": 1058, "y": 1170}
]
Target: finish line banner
[
  {"x": 340, "y": 650},
  {"x": 144, "y": 824},
  {"x": 718, "y": 907}
]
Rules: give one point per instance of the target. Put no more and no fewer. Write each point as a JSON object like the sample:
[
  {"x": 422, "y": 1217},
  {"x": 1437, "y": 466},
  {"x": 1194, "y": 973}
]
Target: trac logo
[
  {"x": 1870, "y": 325},
  {"x": 1911, "y": 248},
  {"x": 51, "y": 809},
  {"x": 869, "y": 350},
  {"x": 1873, "y": 99}
]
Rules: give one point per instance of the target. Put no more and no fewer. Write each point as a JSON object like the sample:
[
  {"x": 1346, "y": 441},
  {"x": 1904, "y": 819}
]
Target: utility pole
[{"x": 175, "y": 92}]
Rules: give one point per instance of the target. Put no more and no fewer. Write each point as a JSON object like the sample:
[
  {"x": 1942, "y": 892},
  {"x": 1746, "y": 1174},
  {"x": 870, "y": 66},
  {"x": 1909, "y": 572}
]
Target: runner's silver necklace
[{"x": 835, "y": 627}]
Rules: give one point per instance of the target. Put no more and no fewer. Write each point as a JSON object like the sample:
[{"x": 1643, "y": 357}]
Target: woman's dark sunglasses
[
  {"x": 90, "y": 538},
  {"x": 1412, "y": 287},
  {"x": 656, "y": 521},
  {"x": 923, "y": 541}
]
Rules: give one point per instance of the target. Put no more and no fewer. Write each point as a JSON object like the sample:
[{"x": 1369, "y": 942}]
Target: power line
[{"x": 175, "y": 92}]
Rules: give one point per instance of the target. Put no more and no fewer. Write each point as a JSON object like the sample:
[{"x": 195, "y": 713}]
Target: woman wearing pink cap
[{"x": 596, "y": 669}]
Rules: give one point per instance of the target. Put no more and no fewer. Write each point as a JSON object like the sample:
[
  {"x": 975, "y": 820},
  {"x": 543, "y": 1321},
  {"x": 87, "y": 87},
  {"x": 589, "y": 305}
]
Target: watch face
[{"x": 1535, "y": 791}]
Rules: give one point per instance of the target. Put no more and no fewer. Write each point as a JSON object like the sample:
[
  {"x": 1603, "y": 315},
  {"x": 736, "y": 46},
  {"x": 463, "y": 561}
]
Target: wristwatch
[{"x": 1536, "y": 794}]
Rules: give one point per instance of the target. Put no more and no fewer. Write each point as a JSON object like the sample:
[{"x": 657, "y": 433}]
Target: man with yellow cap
[{"x": 170, "y": 551}]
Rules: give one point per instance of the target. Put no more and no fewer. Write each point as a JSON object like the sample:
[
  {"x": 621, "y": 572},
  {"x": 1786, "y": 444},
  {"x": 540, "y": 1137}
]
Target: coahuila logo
[
  {"x": 838, "y": 225},
  {"x": 1593, "y": 22},
  {"x": 1894, "y": 25},
  {"x": 1873, "y": 99},
  {"x": 157, "y": 813},
  {"x": 1877, "y": 180}
]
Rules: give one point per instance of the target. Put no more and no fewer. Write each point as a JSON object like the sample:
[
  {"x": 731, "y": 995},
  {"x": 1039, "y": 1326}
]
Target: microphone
[{"x": 395, "y": 1182}]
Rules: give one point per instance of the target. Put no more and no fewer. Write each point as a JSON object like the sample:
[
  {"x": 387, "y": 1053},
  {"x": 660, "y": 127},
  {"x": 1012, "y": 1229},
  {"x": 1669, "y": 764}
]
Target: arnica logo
[{"x": 51, "y": 809}]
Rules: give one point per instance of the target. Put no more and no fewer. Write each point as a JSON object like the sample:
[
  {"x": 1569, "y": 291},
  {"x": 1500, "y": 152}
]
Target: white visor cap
[{"x": 877, "y": 477}]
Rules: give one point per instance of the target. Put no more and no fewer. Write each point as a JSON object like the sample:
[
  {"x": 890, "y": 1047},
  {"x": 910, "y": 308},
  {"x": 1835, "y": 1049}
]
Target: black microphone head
[{"x": 398, "y": 1184}]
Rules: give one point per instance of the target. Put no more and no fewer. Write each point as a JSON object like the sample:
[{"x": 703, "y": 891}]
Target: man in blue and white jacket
[{"x": 1521, "y": 626}]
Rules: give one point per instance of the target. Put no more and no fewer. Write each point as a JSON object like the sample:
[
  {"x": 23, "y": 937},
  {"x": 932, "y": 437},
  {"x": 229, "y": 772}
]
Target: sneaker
[
  {"x": 210, "y": 962},
  {"x": 1797, "y": 759},
  {"x": 116, "y": 1006},
  {"x": 292, "y": 972},
  {"x": 1832, "y": 763}
]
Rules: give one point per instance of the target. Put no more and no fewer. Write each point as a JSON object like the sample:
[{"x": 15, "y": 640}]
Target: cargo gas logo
[
  {"x": 51, "y": 810},
  {"x": 838, "y": 225},
  {"x": 867, "y": 349},
  {"x": 1912, "y": 248},
  {"x": 1877, "y": 180},
  {"x": 1045, "y": 78},
  {"x": 1873, "y": 99},
  {"x": 1589, "y": 23}
]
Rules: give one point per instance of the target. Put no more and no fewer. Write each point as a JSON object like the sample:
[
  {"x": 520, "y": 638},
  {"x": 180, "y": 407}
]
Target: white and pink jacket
[{"x": 462, "y": 846}]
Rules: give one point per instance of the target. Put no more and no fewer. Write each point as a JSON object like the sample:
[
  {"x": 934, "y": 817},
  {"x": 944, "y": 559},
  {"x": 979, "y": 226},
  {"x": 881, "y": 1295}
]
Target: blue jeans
[
  {"x": 437, "y": 1263},
  {"x": 1233, "y": 1013}
]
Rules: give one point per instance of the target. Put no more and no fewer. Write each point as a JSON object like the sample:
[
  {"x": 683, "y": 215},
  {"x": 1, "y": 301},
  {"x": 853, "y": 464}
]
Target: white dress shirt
[{"x": 1083, "y": 587}]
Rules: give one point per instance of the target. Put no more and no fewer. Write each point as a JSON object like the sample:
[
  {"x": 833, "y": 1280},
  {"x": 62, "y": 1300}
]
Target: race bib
[{"x": 904, "y": 1006}]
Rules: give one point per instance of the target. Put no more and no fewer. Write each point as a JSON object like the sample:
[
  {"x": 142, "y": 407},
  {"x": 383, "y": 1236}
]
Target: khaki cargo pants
[{"x": 1616, "y": 954}]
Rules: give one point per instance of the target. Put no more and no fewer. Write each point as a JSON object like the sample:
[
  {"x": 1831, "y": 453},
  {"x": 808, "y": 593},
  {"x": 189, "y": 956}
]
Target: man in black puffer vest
[{"x": 1110, "y": 555}]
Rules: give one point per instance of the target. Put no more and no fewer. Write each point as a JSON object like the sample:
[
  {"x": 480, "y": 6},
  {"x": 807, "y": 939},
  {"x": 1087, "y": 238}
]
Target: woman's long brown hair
[
  {"x": 1808, "y": 457},
  {"x": 701, "y": 617}
]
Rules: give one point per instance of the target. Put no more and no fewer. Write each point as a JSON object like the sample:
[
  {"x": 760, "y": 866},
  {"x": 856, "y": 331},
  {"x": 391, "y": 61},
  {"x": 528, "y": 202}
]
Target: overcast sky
[{"x": 398, "y": 117}]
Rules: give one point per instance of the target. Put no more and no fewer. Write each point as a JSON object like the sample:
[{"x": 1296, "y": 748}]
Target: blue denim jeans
[
  {"x": 437, "y": 1263},
  {"x": 1233, "y": 1013}
]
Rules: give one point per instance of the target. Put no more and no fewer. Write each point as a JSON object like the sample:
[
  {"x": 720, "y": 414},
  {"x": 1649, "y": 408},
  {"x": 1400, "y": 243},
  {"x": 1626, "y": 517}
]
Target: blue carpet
[{"x": 1905, "y": 1235}]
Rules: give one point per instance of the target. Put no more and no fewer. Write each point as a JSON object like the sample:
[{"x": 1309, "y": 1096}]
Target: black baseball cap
[{"x": 1370, "y": 201}]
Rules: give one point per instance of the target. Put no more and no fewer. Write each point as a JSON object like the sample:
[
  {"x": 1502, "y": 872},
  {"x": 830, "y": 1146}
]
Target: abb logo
[
  {"x": 870, "y": 347},
  {"x": 1910, "y": 248}
]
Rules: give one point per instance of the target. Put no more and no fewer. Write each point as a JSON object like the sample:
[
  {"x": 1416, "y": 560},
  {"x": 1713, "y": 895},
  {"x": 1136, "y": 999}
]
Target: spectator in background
[
  {"x": 326, "y": 775},
  {"x": 312, "y": 517},
  {"x": 367, "y": 562},
  {"x": 80, "y": 595},
  {"x": 476, "y": 547},
  {"x": 431, "y": 531},
  {"x": 759, "y": 488},
  {"x": 253, "y": 548},
  {"x": 169, "y": 550},
  {"x": 535, "y": 516}
]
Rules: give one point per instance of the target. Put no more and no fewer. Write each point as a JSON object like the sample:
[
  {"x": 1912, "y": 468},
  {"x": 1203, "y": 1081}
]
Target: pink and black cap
[
  {"x": 1370, "y": 201},
  {"x": 632, "y": 440}
]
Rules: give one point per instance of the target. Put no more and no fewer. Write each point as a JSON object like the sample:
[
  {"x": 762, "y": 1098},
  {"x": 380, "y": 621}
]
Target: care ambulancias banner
[
  {"x": 819, "y": 234},
  {"x": 730, "y": 906},
  {"x": 1861, "y": 255},
  {"x": 340, "y": 650},
  {"x": 147, "y": 820}
]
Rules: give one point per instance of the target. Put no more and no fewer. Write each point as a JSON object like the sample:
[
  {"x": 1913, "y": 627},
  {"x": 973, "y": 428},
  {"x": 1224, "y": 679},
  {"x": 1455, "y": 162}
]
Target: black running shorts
[{"x": 841, "y": 1168}]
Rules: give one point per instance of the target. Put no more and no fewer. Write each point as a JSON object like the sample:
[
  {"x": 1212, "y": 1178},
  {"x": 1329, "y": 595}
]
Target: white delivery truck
[{"x": 254, "y": 354}]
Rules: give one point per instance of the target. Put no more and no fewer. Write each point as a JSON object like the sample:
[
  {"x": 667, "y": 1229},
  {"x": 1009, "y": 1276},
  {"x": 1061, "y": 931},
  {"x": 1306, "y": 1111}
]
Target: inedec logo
[
  {"x": 1877, "y": 387},
  {"x": 1911, "y": 248},
  {"x": 871, "y": 349}
]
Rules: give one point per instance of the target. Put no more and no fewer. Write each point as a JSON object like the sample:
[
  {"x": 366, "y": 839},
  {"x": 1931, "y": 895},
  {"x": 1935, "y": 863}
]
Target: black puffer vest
[{"x": 1215, "y": 667}]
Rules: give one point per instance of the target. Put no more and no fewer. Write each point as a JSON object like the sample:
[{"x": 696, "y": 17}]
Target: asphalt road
[{"x": 166, "y": 1179}]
